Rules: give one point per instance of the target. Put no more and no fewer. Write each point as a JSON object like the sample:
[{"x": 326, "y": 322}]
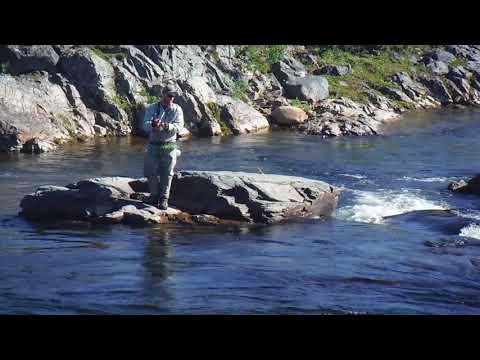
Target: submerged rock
[
  {"x": 201, "y": 197},
  {"x": 470, "y": 187}
]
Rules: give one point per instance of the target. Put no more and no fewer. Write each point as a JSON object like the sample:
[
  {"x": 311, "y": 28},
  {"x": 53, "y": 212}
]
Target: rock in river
[
  {"x": 202, "y": 197},
  {"x": 470, "y": 187}
]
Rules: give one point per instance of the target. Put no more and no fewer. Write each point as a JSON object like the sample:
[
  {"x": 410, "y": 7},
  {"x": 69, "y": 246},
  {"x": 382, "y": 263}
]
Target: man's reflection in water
[{"x": 158, "y": 252}]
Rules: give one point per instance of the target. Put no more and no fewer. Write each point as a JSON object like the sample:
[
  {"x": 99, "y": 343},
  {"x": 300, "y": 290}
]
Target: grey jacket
[{"x": 173, "y": 116}]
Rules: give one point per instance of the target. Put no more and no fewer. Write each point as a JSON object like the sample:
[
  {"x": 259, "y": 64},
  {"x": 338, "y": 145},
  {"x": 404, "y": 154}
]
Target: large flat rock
[{"x": 205, "y": 197}]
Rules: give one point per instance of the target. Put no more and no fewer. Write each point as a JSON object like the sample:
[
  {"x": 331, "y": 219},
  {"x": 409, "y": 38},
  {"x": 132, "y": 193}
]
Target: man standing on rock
[{"x": 163, "y": 121}]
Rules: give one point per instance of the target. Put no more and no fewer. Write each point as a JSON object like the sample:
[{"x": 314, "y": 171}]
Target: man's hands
[{"x": 158, "y": 124}]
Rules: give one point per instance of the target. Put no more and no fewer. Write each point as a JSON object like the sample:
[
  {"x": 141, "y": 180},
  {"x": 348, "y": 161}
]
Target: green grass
[
  {"x": 4, "y": 67},
  {"x": 122, "y": 103},
  {"x": 215, "y": 110},
  {"x": 68, "y": 123},
  {"x": 239, "y": 90},
  {"x": 97, "y": 50},
  {"x": 103, "y": 51},
  {"x": 261, "y": 57},
  {"x": 404, "y": 104},
  {"x": 150, "y": 98},
  {"x": 304, "y": 105},
  {"x": 368, "y": 71},
  {"x": 458, "y": 62}
]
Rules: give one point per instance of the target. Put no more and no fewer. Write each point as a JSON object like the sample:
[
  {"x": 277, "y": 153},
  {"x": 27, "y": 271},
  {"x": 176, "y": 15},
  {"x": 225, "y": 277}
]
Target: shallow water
[{"x": 357, "y": 262}]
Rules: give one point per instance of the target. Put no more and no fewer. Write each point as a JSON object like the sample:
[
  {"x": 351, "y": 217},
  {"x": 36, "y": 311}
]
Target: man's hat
[{"x": 169, "y": 90}]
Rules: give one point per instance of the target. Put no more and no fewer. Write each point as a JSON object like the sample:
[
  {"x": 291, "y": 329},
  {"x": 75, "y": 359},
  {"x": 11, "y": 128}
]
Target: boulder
[
  {"x": 437, "y": 67},
  {"x": 240, "y": 117},
  {"x": 258, "y": 198},
  {"x": 289, "y": 115},
  {"x": 459, "y": 95},
  {"x": 197, "y": 196},
  {"x": 288, "y": 69},
  {"x": 334, "y": 70},
  {"x": 395, "y": 93},
  {"x": 458, "y": 50},
  {"x": 310, "y": 88},
  {"x": 468, "y": 52},
  {"x": 442, "y": 55},
  {"x": 413, "y": 89},
  {"x": 459, "y": 72},
  {"x": 37, "y": 146},
  {"x": 473, "y": 66},
  {"x": 437, "y": 89},
  {"x": 378, "y": 100},
  {"x": 470, "y": 187},
  {"x": 20, "y": 59}
]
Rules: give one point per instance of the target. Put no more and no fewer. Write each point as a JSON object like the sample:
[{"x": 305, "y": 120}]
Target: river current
[{"x": 421, "y": 260}]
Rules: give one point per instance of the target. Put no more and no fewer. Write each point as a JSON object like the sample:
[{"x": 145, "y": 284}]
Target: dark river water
[{"x": 358, "y": 262}]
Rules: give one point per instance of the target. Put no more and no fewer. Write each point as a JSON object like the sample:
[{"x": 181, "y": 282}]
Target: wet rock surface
[{"x": 471, "y": 186}]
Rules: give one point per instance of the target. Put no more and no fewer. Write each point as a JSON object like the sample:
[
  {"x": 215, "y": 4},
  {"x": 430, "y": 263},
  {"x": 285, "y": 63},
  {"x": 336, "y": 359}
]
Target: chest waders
[{"x": 160, "y": 161}]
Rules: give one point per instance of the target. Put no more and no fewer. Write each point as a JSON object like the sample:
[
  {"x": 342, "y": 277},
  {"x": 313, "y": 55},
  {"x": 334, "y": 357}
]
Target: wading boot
[
  {"x": 163, "y": 204},
  {"x": 151, "y": 200}
]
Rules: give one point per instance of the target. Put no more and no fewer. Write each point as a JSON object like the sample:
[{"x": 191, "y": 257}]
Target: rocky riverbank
[
  {"x": 50, "y": 94},
  {"x": 197, "y": 197}
]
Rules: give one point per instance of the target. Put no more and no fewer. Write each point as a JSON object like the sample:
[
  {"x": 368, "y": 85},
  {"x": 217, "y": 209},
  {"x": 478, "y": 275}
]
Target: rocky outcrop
[
  {"x": 21, "y": 59},
  {"x": 107, "y": 87},
  {"x": 471, "y": 186},
  {"x": 336, "y": 117},
  {"x": 197, "y": 197},
  {"x": 94, "y": 78},
  {"x": 437, "y": 89},
  {"x": 40, "y": 109}
]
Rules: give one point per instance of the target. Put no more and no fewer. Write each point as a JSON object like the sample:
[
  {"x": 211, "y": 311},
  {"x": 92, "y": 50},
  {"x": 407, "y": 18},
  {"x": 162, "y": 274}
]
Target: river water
[{"x": 357, "y": 262}]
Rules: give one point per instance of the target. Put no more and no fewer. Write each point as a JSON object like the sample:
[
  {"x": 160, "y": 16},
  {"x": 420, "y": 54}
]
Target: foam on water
[
  {"x": 472, "y": 231},
  {"x": 372, "y": 207},
  {"x": 428, "y": 179},
  {"x": 469, "y": 214},
  {"x": 355, "y": 176},
  {"x": 7, "y": 174}
]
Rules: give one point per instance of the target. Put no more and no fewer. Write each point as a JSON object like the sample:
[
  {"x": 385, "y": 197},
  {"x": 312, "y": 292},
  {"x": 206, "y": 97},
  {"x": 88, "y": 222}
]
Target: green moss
[
  {"x": 368, "y": 70},
  {"x": 124, "y": 104},
  {"x": 106, "y": 52},
  {"x": 239, "y": 90},
  {"x": 151, "y": 99},
  {"x": 458, "y": 62},
  {"x": 97, "y": 50},
  {"x": 261, "y": 57},
  {"x": 68, "y": 124},
  {"x": 403, "y": 104},
  {"x": 305, "y": 105},
  {"x": 216, "y": 112}
]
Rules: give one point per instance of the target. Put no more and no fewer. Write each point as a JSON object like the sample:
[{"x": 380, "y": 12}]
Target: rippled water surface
[{"x": 361, "y": 261}]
